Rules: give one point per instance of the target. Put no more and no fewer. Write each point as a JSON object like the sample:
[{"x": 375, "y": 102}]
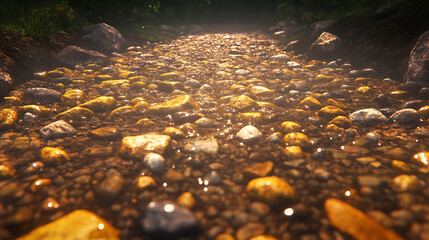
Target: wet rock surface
[{"x": 223, "y": 136}]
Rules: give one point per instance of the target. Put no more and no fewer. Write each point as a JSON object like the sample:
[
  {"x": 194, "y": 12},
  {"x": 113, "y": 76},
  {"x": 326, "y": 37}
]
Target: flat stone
[
  {"x": 40, "y": 95},
  {"x": 272, "y": 190},
  {"x": 167, "y": 220},
  {"x": 109, "y": 133},
  {"x": 58, "y": 129},
  {"x": 101, "y": 104},
  {"x": 137, "y": 147},
  {"x": 180, "y": 103},
  {"x": 79, "y": 224},
  {"x": 75, "y": 114},
  {"x": 258, "y": 170},
  {"x": 356, "y": 223},
  {"x": 367, "y": 117},
  {"x": 208, "y": 146}
]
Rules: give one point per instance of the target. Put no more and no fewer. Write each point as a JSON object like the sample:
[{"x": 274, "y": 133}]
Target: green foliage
[{"x": 37, "y": 19}]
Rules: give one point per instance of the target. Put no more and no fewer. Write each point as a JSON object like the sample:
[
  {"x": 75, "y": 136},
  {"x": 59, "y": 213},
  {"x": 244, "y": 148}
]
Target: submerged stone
[
  {"x": 101, "y": 104},
  {"x": 53, "y": 155},
  {"x": 73, "y": 97},
  {"x": 208, "y": 146},
  {"x": 367, "y": 117},
  {"x": 58, "y": 129},
  {"x": 249, "y": 134},
  {"x": 8, "y": 117},
  {"x": 80, "y": 224},
  {"x": 181, "y": 103},
  {"x": 271, "y": 190},
  {"x": 137, "y": 147},
  {"x": 243, "y": 102},
  {"x": 76, "y": 113}
]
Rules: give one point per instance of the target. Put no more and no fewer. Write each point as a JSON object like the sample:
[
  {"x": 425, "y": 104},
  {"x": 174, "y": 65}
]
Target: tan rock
[
  {"x": 123, "y": 111},
  {"x": 272, "y": 190},
  {"x": 186, "y": 199},
  {"x": 76, "y": 113},
  {"x": 180, "y": 103},
  {"x": 251, "y": 117},
  {"x": 174, "y": 133},
  {"x": 101, "y": 104},
  {"x": 243, "y": 102},
  {"x": 73, "y": 97},
  {"x": 53, "y": 155},
  {"x": 297, "y": 139},
  {"x": 310, "y": 103},
  {"x": 261, "y": 91},
  {"x": 145, "y": 182},
  {"x": 330, "y": 112},
  {"x": 293, "y": 152},
  {"x": 80, "y": 224},
  {"x": 145, "y": 123},
  {"x": 258, "y": 170},
  {"x": 8, "y": 117},
  {"x": 288, "y": 127},
  {"x": 263, "y": 237},
  {"x": 356, "y": 223},
  {"x": 137, "y": 147},
  {"x": 341, "y": 121},
  {"x": 35, "y": 109}
]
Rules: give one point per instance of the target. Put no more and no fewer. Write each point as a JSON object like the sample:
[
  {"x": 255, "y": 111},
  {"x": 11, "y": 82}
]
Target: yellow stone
[
  {"x": 13, "y": 100},
  {"x": 101, "y": 104},
  {"x": 424, "y": 112},
  {"x": 145, "y": 123},
  {"x": 333, "y": 128},
  {"x": 363, "y": 80},
  {"x": 356, "y": 223},
  {"x": 288, "y": 127},
  {"x": 258, "y": 170},
  {"x": 112, "y": 83},
  {"x": 422, "y": 157},
  {"x": 123, "y": 111},
  {"x": 40, "y": 184},
  {"x": 35, "y": 109},
  {"x": 8, "y": 117},
  {"x": 272, "y": 190},
  {"x": 73, "y": 97},
  {"x": 93, "y": 66},
  {"x": 137, "y": 99},
  {"x": 406, "y": 183},
  {"x": 141, "y": 106},
  {"x": 324, "y": 78},
  {"x": 330, "y": 112},
  {"x": 341, "y": 121},
  {"x": 138, "y": 79},
  {"x": 236, "y": 88},
  {"x": 136, "y": 147},
  {"x": 169, "y": 86},
  {"x": 225, "y": 236},
  {"x": 293, "y": 152},
  {"x": 137, "y": 85},
  {"x": 400, "y": 165},
  {"x": 261, "y": 91},
  {"x": 263, "y": 237},
  {"x": 53, "y": 155},
  {"x": 335, "y": 103},
  {"x": 105, "y": 133},
  {"x": 145, "y": 182},
  {"x": 76, "y": 113},
  {"x": 268, "y": 105},
  {"x": 6, "y": 171},
  {"x": 310, "y": 103},
  {"x": 174, "y": 133},
  {"x": 297, "y": 139},
  {"x": 79, "y": 224},
  {"x": 171, "y": 76},
  {"x": 243, "y": 102},
  {"x": 180, "y": 103},
  {"x": 126, "y": 74},
  {"x": 55, "y": 74},
  {"x": 363, "y": 89},
  {"x": 252, "y": 117},
  {"x": 186, "y": 199}
]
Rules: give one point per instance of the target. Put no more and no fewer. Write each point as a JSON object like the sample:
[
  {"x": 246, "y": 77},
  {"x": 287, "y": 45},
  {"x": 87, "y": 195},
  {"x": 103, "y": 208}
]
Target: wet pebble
[
  {"x": 209, "y": 146},
  {"x": 272, "y": 190},
  {"x": 58, "y": 129},
  {"x": 406, "y": 116},
  {"x": 42, "y": 95},
  {"x": 367, "y": 117},
  {"x": 155, "y": 162},
  {"x": 110, "y": 188},
  {"x": 249, "y": 134}
]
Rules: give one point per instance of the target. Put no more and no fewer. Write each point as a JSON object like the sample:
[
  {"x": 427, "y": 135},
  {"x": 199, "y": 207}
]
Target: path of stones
[{"x": 226, "y": 133}]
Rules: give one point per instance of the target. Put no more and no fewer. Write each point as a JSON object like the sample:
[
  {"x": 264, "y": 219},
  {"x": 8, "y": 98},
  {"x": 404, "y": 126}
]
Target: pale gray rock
[
  {"x": 208, "y": 146},
  {"x": 249, "y": 134},
  {"x": 406, "y": 116},
  {"x": 155, "y": 162},
  {"x": 368, "y": 116},
  {"x": 58, "y": 129}
]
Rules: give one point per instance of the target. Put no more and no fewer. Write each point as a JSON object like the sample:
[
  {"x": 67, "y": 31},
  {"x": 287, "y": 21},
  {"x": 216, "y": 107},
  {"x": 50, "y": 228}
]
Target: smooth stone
[
  {"x": 8, "y": 117},
  {"x": 405, "y": 183},
  {"x": 258, "y": 170},
  {"x": 137, "y": 147},
  {"x": 293, "y": 152},
  {"x": 330, "y": 112},
  {"x": 341, "y": 121},
  {"x": 310, "y": 103},
  {"x": 180, "y": 103},
  {"x": 110, "y": 188},
  {"x": 155, "y": 162},
  {"x": 367, "y": 117},
  {"x": 73, "y": 55},
  {"x": 297, "y": 139},
  {"x": 73, "y": 97},
  {"x": 249, "y": 134},
  {"x": 79, "y": 224},
  {"x": 243, "y": 102},
  {"x": 145, "y": 123},
  {"x": 167, "y": 220},
  {"x": 101, "y": 104},
  {"x": 261, "y": 91},
  {"x": 6, "y": 171},
  {"x": 213, "y": 178},
  {"x": 356, "y": 223},
  {"x": 109, "y": 133},
  {"x": 123, "y": 111},
  {"x": 400, "y": 165},
  {"x": 369, "y": 181},
  {"x": 289, "y": 127},
  {"x": 205, "y": 122},
  {"x": 208, "y": 146},
  {"x": 186, "y": 199},
  {"x": 407, "y": 116},
  {"x": 40, "y": 95},
  {"x": 273, "y": 190},
  {"x": 280, "y": 57},
  {"x": 250, "y": 230},
  {"x": 58, "y": 129},
  {"x": 35, "y": 109},
  {"x": 75, "y": 114},
  {"x": 53, "y": 155},
  {"x": 145, "y": 182},
  {"x": 104, "y": 38},
  {"x": 263, "y": 237}
]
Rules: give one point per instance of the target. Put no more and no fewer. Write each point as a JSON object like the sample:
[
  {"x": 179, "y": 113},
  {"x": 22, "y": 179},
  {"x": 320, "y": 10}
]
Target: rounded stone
[
  {"x": 109, "y": 133},
  {"x": 330, "y": 112},
  {"x": 145, "y": 182},
  {"x": 288, "y": 127},
  {"x": 174, "y": 133},
  {"x": 310, "y": 103},
  {"x": 75, "y": 114},
  {"x": 101, "y": 104},
  {"x": 73, "y": 97},
  {"x": 186, "y": 199},
  {"x": 271, "y": 190},
  {"x": 263, "y": 237},
  {"x": 123, "y": 111},
  {"x": 110, "y": 188},
  {"x": 293, "y": 152},
  {"x": 145, "y": 123},
  {"x": 297, "y": 139},
  {"x": 243, "y": 102},
  {"x": 8, "y": 117},
  {"x": 6, "y": 171},
  {"x": 155, "y": 162},
  {"x": 249, "y": 134},
  {"x": 53, "y": 155},
  {"x": 341, "y": 121},
  {"x": 424, "y": 112},
  {"x": 405, "y": 183},
  {"x": 368, "y": 117},
  {"x": 407, "y": 116}
]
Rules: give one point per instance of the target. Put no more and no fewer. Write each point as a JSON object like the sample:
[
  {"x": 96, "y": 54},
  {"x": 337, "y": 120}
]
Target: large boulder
[
  {"x": 104, "y": 38},
  {"x": 5, "y": 83},
  {"x": 73, "y": 55},
  {"x": 327, "y": 46},
  {"x": 418, "y": 64}
]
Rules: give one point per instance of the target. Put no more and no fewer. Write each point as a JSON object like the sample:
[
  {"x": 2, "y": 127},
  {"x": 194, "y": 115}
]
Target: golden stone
[
  {"x": 101, "y": 104},
  {"x": 136, "y": 147},
  {"x": 424, "y": 112},
  {"x": 335, "y": 103},
  {"x": 73, "y": 97},
  {"x": 252, "y": 117},
  {"x": 180, "y": 103},
  {"x": 35, "y": 109},
  {"x": 123, "y": 111},
  {"x": 243, "y": 102},
  {"x": 272, "y": 190},
  {"x": 174, "y": 133},
  {"x": 261, "y": 91},
  {"x": 297, "y": 139},
  {"x": 400, "y": 165},
  {"x": 288, "y": 127},
  {"x": 8, "y": 117},
  {"x": 330, "y": 112},
  {"x": 263, "y": 237},
  {"x": 363, "y": 89},
  {"x": 112, "y": 83},
  {"x": 341, "y": 121},
  {"x": 186, "y": 199},
  {"x": 310, "y": 103},
  {"x": 145, "y": 182},
  {"x": 53, "y": 155},
  {"x": 76, "y": 113},
  {"x": 293, "y": 152},
  {"x": 145, "y": 123},
  {"x": 258, "y": 170}
]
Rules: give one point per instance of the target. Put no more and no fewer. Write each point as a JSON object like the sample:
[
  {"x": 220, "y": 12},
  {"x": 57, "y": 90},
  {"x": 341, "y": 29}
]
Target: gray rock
[
  {"x": 249, "y": 134},
  {"x": 206, "y": 122},
  {"x": 327, "y": 46},
  {"x": 40, "y": 95},
  {"x": 280, "y": 57},
  {"x": 193, "y": 83},
  {"x": 58, "y": 129},
  {"x": 208, "y": 146},
  {"x": 155, "y": 162},
  {"x": 418, "y": 64},
  {"x": 104, "y": 38},
  {"x": 367, "y": 117},
  {"x": 29, "y": 117},
  {"x": 6, "y": 83},
  {"x": 407, "y": 116},
  {"x": 167, "y": 220},
  {"x": 73, "y": 55},
  {"x": 110, "y": 188},
  {"x": 213, "y": 178}
]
